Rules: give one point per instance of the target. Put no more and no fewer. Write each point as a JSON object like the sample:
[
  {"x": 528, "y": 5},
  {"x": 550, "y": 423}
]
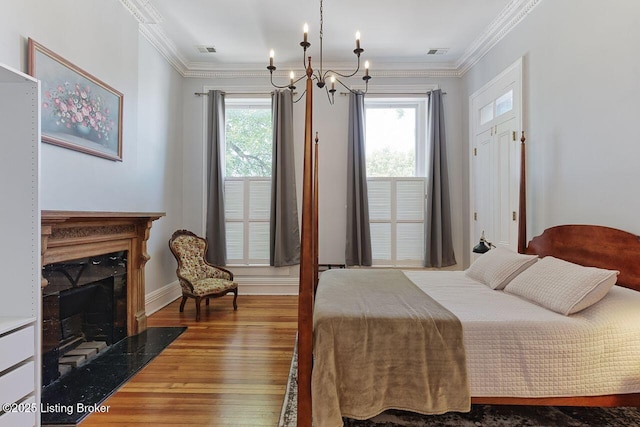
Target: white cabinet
[{"x": 20, "y": 294}]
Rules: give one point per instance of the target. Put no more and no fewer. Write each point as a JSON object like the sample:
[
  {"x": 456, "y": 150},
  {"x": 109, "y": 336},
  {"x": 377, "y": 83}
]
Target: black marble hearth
[{"x": 87, "y": 386}]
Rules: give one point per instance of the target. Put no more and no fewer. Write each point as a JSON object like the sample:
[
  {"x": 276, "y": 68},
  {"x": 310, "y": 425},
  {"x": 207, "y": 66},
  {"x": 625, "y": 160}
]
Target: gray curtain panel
[
  {"x": 284, "y": 236},
  {"x": 216, "y": 236},
  {"x": 439, "y": 241},
  {"x": 358, "y": 245}
]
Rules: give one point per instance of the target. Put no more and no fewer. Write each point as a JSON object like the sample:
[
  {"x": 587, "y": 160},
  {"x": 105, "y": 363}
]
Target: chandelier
[{"x": 320, "y": 75}]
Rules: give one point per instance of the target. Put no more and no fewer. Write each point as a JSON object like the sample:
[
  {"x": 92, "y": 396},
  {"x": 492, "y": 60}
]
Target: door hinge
[
  {"x": 514, "y": 135},
  {"x": 475, "y": 151},
  {"x": 475, "y": 216},
  {"x": 514, "y": 215}
]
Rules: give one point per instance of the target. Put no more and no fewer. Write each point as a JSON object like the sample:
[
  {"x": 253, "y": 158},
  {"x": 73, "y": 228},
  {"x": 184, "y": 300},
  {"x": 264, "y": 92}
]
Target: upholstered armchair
[{"x": 197, "y": 277}]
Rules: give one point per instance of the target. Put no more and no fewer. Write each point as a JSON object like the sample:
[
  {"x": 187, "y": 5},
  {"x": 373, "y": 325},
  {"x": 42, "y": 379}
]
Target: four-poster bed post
[
  {"x": 308, "y": 253},
  {"x": 316, "y": 195},
  {"x": 522, "y": 202}
]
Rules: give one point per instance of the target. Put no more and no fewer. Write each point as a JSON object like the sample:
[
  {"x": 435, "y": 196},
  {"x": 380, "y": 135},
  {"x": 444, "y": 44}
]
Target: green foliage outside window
[
  {"x": 390, "y": 141},
  {"x": 248, "y": 142},
  {"x": 386, "y": 162}
]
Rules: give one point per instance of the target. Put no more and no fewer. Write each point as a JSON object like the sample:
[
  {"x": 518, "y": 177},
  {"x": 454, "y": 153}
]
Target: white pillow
[
  {"x": 562, "y": 286},
  {"x": 499, "y": 266}
]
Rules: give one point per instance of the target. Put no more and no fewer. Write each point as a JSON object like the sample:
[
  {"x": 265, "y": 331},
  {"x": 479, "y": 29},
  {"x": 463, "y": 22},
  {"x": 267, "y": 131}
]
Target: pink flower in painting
[{"x": 71, "y": 104}]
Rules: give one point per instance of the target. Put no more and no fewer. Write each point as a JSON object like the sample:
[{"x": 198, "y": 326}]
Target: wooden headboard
[{"x": 593, "y": 246}]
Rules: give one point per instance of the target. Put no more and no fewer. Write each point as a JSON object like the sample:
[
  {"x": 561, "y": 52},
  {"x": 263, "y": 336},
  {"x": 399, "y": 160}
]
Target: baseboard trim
[
  {"x": 267, "y": 285},
  {"x": 155, "y": 300}
]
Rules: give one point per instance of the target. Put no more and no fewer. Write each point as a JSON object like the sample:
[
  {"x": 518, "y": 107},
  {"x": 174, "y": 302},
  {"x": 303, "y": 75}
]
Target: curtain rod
[
  {"x": 394, "y": 93},
  {"x": 234, "y": 93},
  {"x": 341, "y": 93}
]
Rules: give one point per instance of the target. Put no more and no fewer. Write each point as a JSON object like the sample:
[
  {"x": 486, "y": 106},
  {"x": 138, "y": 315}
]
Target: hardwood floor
[{"x": 229, "y": 369}]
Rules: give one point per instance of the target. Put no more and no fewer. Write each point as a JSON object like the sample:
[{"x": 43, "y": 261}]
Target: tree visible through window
[
  {"x": 391, "y": 141},
  {"x": 248, "y": 141}
]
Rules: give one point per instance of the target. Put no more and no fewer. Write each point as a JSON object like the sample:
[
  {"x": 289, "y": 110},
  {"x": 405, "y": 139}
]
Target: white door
[{"x": 495, "y": 117}]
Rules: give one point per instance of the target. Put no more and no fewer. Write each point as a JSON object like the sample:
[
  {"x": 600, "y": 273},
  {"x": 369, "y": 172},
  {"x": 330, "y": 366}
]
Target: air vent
[
  {"x": 438, "y": 51},
  {"x": 206, "y": 49}
]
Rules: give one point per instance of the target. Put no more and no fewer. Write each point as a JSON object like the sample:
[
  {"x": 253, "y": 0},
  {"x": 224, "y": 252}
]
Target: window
[
  {"x": 395, "y": 153},
  {"x": 247, "y": 185}
]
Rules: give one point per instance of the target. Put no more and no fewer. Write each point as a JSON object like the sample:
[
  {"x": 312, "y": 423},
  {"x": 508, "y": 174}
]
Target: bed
[
  {"x": 612, "y": 375},
  {"x": 516, "y": 351}
]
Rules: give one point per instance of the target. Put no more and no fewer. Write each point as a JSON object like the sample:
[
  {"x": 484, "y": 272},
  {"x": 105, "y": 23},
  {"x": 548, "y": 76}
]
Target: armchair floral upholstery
[{"x": 197, "y": 277}]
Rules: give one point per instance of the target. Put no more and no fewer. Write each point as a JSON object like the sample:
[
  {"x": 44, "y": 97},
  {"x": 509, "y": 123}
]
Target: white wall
[
  {"x": 581, "y": 91},
  {"x": 330, "y": 121},
  {"x": 102, "y": 37}
]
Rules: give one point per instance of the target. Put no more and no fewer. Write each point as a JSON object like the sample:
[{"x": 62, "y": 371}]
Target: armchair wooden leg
[
  {"x": 184, "y": 300},
  {"x": 235, "y": 297},
  {"x": 198, "y": 300}
]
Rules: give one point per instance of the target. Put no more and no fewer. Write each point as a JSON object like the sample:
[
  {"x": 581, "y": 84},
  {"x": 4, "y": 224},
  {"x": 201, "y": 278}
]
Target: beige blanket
[{"x": 382, "y": 343}]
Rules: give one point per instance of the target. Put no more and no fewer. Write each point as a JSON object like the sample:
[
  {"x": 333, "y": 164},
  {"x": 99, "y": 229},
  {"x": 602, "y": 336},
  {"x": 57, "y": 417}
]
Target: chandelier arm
[
  {"x": 276, "y": 86},
  {"x": 346, "y": 76},
  {"x": 304, "y": 92},
  {"x": 346, "y": 87}
]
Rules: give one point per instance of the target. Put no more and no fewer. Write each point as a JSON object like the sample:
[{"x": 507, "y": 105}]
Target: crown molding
[
  {"x": 148, "y": 19},
  {"x": 233, "y": 74},
  {"x": 508, "y": 19}
]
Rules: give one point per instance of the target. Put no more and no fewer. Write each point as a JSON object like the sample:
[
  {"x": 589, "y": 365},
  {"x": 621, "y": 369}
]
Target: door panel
[{"x": 495, "y": 117}]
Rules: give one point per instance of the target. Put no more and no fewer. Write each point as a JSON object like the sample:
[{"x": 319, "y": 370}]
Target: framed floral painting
[{"x": 78, "y": 111}]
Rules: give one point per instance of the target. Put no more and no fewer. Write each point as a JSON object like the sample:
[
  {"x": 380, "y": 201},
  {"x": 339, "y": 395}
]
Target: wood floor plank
[{"x": 229, "y": 369}]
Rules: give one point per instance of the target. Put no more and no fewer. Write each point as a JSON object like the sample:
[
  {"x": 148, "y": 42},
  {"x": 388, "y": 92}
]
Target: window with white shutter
[
  {"x": 247, "y": 195},
  {"x": 396, "y": 220},
  {"x": 395, "y": 153}
]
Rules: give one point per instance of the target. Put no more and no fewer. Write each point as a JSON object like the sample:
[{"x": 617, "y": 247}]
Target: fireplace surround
[{"x": 72, "y": 235}]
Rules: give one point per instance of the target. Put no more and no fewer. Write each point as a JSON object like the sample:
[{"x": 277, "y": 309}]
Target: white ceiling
[{"x": 396, "y": 35}]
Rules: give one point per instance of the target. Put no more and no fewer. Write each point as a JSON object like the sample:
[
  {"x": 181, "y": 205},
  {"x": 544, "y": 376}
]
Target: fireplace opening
[{"x": 84, "y": 310}]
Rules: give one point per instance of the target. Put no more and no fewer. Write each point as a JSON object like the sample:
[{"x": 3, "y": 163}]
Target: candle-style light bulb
[
  {"x": 357, "y": 39},
  {"x": 366, "y": 68},
  {"x": 305, "y": 29},
  {"x": 333, "y": 82},
  {"x": 292, "y": 76},
  {"x": 271, "y": 55}
]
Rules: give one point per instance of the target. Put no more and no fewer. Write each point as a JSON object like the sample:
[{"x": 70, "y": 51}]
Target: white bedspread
[{"x": 518, "y": 349}]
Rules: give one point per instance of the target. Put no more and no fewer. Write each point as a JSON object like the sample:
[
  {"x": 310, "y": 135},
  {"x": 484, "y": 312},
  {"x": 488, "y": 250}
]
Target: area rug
[
  {"x": 479, "y": 416},
  {"x": 71, "y": 398}
]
